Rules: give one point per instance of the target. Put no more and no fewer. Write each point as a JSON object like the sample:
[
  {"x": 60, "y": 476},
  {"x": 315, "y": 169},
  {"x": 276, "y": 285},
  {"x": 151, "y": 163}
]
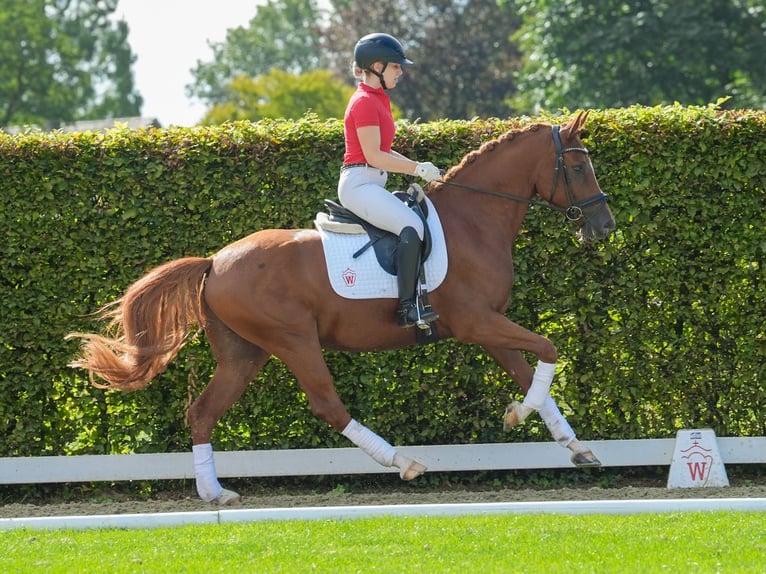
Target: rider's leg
[
  {"x": 361, "y": 190},
  {"x": 407, "y": 274}
]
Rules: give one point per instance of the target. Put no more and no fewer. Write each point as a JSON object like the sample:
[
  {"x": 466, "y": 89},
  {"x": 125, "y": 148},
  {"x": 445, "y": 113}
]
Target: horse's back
[
  {"x": 263, "y": 245},
  {"x": 273, "y": 284},
  {"x": 266, "y": 271}
]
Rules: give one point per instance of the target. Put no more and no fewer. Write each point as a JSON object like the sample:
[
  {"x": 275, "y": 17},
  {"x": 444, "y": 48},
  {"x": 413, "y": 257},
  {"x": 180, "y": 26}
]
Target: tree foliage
[
  {"x": 500, "y": 57},
  {"x": 604, "y": 54},
  {"x": 463, "y": 50},
  {"x": 64, "y": 60},
  {"x": 280, "y": 94},
  {"x": 464, "y": 55},
  {"x": 283, "y": 34}
]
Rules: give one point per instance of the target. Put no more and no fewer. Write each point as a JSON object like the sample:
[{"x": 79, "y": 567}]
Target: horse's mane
[{"x": 488, "y": 147}]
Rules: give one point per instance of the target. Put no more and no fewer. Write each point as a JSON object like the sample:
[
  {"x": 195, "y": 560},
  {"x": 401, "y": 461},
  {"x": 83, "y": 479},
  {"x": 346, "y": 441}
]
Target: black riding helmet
[{"x": 379, "y": 47}]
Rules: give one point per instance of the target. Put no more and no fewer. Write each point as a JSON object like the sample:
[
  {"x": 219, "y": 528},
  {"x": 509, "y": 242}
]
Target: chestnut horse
[{"x": 269, "y": 294}]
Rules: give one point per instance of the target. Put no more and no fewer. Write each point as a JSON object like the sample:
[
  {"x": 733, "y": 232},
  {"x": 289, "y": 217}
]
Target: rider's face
[{"x": 392, "y": 73}]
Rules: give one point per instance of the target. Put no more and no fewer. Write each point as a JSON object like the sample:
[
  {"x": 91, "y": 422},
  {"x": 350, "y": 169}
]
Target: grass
[{"x": 674, "y": 542}]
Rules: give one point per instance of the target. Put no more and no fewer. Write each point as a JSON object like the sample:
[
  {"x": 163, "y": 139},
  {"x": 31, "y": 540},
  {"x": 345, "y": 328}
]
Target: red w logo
[
  {"x": 349, "y": 277},
  {"x": 697, "y": 470}
]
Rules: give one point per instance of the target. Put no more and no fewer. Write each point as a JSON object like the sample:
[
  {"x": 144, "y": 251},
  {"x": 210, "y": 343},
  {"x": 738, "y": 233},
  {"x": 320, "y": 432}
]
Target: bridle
[{"x": 574, "y": 210}]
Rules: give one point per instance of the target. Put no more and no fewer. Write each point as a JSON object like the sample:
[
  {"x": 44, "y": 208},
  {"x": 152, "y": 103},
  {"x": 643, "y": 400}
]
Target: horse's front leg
[
  {"x": 492, "y": 330},
  {"x": 520, "y": 371},
  {"x": 316, "y": 381}
]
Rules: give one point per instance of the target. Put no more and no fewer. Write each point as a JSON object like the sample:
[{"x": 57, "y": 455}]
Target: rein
[{"x": 574, "y": 211}]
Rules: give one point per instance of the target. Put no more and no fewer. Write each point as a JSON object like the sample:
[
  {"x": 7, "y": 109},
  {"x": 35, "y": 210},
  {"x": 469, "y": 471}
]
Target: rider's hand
[{"x": 428, "y": 171}]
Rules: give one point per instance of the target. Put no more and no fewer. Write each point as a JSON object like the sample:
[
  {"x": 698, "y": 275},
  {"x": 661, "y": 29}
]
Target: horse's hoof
[
  {"x": 413, "y": 471},
  {"x": 227, "y": 498},
  {"x": 514, "y": 414},
  {"x": 585, "y": 459},
  {"x": 408, "y": 468}
]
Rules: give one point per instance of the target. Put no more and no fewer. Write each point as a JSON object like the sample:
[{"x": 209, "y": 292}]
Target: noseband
[{"x": 575, "y": 210}]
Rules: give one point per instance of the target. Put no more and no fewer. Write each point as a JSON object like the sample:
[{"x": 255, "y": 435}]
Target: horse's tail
[{"x": 149, "y": 324}]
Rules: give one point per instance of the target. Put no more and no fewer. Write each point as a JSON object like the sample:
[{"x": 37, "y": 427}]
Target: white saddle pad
[{"x": 363, "y": 277}]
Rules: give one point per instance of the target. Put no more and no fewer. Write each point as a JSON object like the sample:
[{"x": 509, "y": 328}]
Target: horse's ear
[
  {"x": 575, "y": 126},
  {"x": 580, "y": 120}
]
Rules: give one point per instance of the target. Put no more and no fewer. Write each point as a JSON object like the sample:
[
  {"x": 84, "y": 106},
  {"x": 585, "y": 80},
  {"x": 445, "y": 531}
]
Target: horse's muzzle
[{"x": 597, "y": 224}]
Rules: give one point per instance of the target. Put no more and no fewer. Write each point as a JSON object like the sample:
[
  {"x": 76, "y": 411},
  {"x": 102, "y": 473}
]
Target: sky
[{"x": 168, "y": 37}]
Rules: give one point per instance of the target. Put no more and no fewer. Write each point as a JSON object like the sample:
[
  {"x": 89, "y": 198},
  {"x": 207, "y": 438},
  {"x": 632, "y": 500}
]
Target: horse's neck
[{"x": 488, "y": 220}]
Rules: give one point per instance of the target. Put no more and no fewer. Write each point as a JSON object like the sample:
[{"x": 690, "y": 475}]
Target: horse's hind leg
[
  {"x": 314, "y": 377},
  {"x": 520, "y": 371},
  {"x": 238, "y": 363}
]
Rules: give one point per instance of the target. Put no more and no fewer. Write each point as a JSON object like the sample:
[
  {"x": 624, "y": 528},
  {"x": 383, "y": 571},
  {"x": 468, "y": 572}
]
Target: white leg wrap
[
  {"x": 541, "y": 385},
  {"x": 556, "y": 423},
  {"x": 382, "y": 452},
  {"x": 208, "y": 486}
]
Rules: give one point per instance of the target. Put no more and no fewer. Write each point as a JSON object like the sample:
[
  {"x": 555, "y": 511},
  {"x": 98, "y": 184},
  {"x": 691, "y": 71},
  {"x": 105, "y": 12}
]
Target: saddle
[{"x": 383, "y": 242}]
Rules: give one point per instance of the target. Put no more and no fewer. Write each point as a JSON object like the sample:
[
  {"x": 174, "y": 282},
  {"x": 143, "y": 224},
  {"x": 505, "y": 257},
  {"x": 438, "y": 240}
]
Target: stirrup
[{"x": 411, "y": 314}]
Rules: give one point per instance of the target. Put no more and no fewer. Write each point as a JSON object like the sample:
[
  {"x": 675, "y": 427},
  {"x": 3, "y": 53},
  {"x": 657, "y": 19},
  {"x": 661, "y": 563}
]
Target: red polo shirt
[{"x": 367, "y": 107}]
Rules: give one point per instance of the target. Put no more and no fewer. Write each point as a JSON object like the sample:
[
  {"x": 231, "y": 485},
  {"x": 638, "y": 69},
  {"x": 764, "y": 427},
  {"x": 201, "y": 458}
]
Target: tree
[
  {"x": 64, "y": 60},
  {"x": 605, "y": 54},
  {"x": 280, "y": 94},
  {"x": 283, "y": 34},
  {"x": 465, "y": 58}
]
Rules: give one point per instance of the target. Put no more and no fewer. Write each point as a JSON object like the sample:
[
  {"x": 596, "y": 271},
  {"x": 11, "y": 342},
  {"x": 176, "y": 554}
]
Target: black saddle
[{"x": 383, "y": 242}]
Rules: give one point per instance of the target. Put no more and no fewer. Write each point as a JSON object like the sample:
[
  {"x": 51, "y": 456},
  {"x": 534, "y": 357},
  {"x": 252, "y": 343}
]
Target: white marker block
[{"x": 696, "y": 461}]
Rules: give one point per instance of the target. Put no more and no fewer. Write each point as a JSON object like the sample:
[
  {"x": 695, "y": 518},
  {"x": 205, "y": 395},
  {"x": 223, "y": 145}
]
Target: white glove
[{"x": 428, "y": 171}]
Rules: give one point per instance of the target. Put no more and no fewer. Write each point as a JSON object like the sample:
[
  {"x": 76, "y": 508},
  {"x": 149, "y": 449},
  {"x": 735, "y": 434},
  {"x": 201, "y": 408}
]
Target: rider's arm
[{"x": 369, "y": 139}]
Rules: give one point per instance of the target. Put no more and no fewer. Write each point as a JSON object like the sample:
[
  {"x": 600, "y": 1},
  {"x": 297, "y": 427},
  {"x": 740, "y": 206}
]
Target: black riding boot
[{"x": 407, "y": 272}]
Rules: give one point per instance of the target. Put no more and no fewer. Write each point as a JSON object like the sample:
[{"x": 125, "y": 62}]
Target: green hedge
[{"x": 658, "y": 329}]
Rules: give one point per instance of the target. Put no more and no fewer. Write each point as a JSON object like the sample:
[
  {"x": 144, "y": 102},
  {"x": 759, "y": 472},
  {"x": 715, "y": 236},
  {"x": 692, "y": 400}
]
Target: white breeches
[{"x": 362, "y": 190}]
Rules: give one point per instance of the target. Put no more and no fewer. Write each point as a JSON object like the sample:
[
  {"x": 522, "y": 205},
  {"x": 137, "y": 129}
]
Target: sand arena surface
[{"x": 103, "y": 501}]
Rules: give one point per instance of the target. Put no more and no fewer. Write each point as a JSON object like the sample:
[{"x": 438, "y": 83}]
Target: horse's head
[{"x": 573, "y": 188}]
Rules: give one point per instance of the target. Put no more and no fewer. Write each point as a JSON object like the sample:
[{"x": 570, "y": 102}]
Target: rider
[{"x": 369, "y": 132}]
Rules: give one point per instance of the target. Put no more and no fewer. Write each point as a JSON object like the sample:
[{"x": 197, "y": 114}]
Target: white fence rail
[{"x": 306, "y": 462}]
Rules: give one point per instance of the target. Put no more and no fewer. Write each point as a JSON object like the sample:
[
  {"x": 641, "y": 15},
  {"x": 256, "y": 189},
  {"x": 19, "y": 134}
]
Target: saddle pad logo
[{"x": 349, "y": 277}]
